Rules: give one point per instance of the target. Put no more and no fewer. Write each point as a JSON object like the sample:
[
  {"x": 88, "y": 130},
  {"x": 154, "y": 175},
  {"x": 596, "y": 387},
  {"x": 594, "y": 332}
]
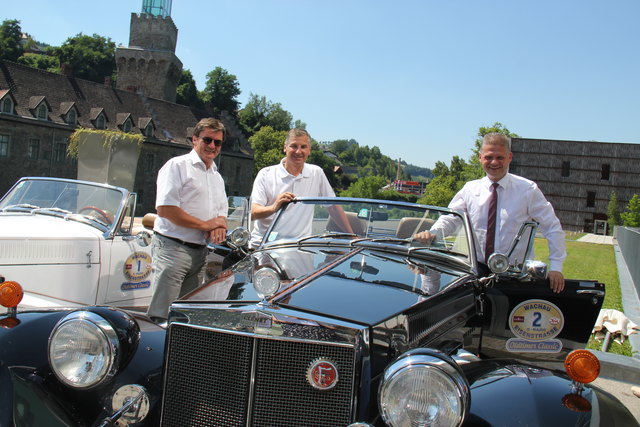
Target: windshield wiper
[
  {"x": 441, "y": 250},
  {"x": 328, "y": 234},
  {"x": 52, "y": 211},
  {"x": 20, "y": 207}
]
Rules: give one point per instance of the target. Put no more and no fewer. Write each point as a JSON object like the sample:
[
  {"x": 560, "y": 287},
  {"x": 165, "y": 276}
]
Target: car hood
[
  {"x": 27, "y": 239},
  {"x": 363, "y": 285}
]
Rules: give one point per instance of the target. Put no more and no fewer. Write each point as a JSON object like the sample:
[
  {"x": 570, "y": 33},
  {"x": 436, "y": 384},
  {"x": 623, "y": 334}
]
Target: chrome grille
[{"x": 209, "y": 372}]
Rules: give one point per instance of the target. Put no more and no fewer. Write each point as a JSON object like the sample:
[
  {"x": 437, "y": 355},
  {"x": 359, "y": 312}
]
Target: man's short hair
[
  {"x": 497, "y": 138},
  {"x": 208, "y": 122},
  {"x": 295, "y": 133}
]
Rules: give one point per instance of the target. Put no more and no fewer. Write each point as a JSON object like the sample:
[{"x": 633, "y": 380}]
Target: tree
[
  {"x": 41, "y": 62},
  {"x": 268, "y": 145},
  {"x": 368, "y": 187},
  {"x": 90, "y": 57},
  {"x": 187, "y": 92},
  {"x": 631, "y": 218},
  {"x": 259, "y": 112},
  {"x": 613, "y": 212},
  {"x": 221, "y": 91},
  {"x": 10, "y": 36}
]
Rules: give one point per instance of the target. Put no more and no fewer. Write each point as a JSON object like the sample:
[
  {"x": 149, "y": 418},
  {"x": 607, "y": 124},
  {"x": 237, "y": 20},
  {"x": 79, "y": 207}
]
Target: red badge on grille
[{"x": 322, "y": 374}]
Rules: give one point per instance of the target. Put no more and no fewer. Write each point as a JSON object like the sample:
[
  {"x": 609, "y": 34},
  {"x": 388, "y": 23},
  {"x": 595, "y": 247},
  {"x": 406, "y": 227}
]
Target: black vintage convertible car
[{"x": 355, "y": 324}]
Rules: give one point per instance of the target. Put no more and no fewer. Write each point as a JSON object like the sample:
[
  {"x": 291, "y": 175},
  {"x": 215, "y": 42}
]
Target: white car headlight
[
  {"x": 266, "y": 282},
  {"x": 238, "y": 237},
  {"x": 83, "y": 349},
  {"x": 423, "y": 388}
]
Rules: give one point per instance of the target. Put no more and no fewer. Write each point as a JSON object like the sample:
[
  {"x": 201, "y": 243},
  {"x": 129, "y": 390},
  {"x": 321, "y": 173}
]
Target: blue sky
[{"x": 416, "y": 78}]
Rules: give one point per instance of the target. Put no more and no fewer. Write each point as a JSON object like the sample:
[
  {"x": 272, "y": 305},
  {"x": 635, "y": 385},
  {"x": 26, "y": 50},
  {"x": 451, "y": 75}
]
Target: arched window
[
  {"x": 72, "y": 117},
  {"x": 126, "y": 126},
  {"x": 148, "y": 131},
  {"x": 100, "y": 122},
  {"x": 42, "y": 112},
  {"x": 7, "y": 105}
]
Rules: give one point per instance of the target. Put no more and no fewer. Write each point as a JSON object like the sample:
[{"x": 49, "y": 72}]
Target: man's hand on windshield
[{"x": 424, "y": 237}]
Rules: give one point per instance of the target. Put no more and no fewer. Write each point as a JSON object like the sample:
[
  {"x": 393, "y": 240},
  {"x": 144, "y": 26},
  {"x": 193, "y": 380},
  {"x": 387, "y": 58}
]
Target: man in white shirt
[
  {"x": 192, "y": 207},
  {"x": 279, "y": 184},
  {"x": 519, "y": 200}
]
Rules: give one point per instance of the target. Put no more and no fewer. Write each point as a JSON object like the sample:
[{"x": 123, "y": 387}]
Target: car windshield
[
  {"x": 359, "y": 222},
  {"x": 63, "y": 198}
]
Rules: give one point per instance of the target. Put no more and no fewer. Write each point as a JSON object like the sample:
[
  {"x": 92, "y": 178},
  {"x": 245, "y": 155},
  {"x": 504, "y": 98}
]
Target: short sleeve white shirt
[
  {"x": 274, "y": 180},
  {"x": 185, "y": 181}
]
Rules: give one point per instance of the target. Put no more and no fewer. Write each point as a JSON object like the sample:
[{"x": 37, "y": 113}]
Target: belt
[{"x": 182, "y": 242}]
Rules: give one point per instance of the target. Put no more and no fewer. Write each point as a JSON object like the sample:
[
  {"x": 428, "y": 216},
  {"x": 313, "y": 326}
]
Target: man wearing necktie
[{"x": 498, "y": 204}]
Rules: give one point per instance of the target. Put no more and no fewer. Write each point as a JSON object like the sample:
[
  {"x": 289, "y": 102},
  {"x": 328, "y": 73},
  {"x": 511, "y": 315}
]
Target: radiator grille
[{"x": 209, "y": 374}]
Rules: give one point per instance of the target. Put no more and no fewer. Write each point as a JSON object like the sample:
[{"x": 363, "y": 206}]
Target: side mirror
[{"x": 535, "y": 269}]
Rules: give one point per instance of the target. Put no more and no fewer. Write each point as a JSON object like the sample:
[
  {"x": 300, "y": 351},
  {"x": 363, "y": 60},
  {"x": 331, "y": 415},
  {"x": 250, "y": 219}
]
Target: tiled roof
[{"x": 30, "y": 86}]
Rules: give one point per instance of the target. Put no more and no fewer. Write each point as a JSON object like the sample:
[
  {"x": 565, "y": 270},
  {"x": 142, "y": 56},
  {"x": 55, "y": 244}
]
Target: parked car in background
[
  {"x": 357, "y": 325},
  {"x": 75, "y": 243}
]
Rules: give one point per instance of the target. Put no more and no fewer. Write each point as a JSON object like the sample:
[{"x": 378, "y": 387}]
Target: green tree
[
  {"x": 10, "y": 36},
  {"x": 631, "y": 217},
  {"x": 260, "y": 112},
  {"x": 90, "y": 57},
  {"x": 221, "y": 91},
  {"x": 439, "y": 191},
  {"x": 368, "y": 187},
  {"x": 41, "y": 62},
  {"x": 613, "y": 212},
  {"x": 268, "y": 145},
  {"x": 187, "y": 92}
]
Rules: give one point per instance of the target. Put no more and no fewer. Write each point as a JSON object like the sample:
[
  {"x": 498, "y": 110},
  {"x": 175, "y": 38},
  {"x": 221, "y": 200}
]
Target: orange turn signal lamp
[
  {"x": 10, "y": 294},
  {"x": 582, "y": 366}
]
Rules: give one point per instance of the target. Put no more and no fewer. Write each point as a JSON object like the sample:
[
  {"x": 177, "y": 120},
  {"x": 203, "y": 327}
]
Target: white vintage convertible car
[{"x": 75, "y": 243}]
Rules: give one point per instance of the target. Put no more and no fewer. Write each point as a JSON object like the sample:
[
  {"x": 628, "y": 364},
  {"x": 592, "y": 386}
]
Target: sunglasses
[{"x": 207, "y": 140}]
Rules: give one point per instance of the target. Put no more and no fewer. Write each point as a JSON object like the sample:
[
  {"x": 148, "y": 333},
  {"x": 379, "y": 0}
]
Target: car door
[{"x": 526, "y": 320}]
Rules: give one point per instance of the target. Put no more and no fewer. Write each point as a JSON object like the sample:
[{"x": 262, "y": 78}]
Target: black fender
[
  {"x": 507, "y": 393},
  {"x": 31, "y": 394}
]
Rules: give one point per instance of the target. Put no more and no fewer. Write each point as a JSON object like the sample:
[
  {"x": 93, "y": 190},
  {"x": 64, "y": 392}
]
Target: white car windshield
[{"x": 60, "y": 197}]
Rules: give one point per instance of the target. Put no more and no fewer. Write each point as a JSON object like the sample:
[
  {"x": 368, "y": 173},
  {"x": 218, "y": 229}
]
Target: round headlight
[
  {"x": 423, "y": 389},
  {"x": 83, "y": 348},
  {"x": 238, "y": 237},
  {"x": 498, "y": 263},
  {"x": 266, "y": 282}
]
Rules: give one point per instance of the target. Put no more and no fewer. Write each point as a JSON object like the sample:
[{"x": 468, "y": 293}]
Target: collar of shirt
[
  {"x": 284, "y": 173},
  {"x": 504, "y": 182},
  {"x": 196, "y": 160}
]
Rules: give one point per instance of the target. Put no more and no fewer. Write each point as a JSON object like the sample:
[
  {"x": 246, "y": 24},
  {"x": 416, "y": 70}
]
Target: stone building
[
  {"x": 578, "y": 177},
  {"x": 40, "y": 110}
]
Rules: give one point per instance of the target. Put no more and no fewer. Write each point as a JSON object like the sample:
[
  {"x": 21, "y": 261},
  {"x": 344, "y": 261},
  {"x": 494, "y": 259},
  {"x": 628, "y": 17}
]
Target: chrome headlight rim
[
  {"x": 111, "y": 341},
  {"x": 426, "y": 359},
  {"x": 262, "y": 279}
]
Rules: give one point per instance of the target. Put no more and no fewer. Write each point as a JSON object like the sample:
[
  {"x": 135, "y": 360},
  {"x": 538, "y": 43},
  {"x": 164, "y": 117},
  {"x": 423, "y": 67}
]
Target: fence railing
[{"x": 629, "y": 243}]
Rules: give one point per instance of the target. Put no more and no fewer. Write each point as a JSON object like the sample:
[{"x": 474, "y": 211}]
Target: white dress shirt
[
  {"x": 274, "y": 180},
  {"x": 519, "y": 200},
  {"x": 185, "y": 181}
]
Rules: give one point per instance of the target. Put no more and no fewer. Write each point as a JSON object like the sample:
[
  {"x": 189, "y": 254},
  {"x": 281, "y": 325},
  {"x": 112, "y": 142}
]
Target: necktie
[{"x": 491, "y": 221}]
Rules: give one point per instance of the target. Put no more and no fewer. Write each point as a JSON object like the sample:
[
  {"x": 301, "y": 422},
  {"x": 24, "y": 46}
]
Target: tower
[{"x": 149, "y": 65}]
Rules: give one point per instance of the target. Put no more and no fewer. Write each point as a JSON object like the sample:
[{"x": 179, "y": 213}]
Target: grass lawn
[{"x": 593, "y": 262}]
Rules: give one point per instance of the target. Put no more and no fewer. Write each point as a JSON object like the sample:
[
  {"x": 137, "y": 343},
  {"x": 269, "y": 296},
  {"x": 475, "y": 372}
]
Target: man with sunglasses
[{"x": 192, "y": 207}]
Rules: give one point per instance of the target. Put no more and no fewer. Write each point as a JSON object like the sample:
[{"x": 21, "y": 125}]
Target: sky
[{"x": 416, "y": 78}]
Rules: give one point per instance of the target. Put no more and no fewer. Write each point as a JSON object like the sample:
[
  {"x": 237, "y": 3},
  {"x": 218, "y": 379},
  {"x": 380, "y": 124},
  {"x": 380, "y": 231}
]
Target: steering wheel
[{"x": 104, "y": 216}]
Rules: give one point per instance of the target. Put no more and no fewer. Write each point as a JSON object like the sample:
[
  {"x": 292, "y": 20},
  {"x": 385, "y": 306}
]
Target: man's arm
[
  {"x": 180, "y": 217},
  {"x": 340, "y": 218},
  {"x": 259, "y": 211}
]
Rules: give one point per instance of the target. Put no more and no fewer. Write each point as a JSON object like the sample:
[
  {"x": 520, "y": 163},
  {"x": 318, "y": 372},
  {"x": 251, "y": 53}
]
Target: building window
[
  {"x": 42, "y": 112},
  {"x": 33, "y": 151},
  {"x": 148, "y": 131},
  {"x": 126, "y": 126},
  {"x": 72, "y": 117},
  {"x": 606, "y": 169},
  {"x": 7, "y": 105},
  {"x": 591, "y": 199},
  {"x": 566, "y": 168},
  {"x": 100, "y": 122},
  {"x": 4, "y": 145},
  {"x": 59, "y": 151}
]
